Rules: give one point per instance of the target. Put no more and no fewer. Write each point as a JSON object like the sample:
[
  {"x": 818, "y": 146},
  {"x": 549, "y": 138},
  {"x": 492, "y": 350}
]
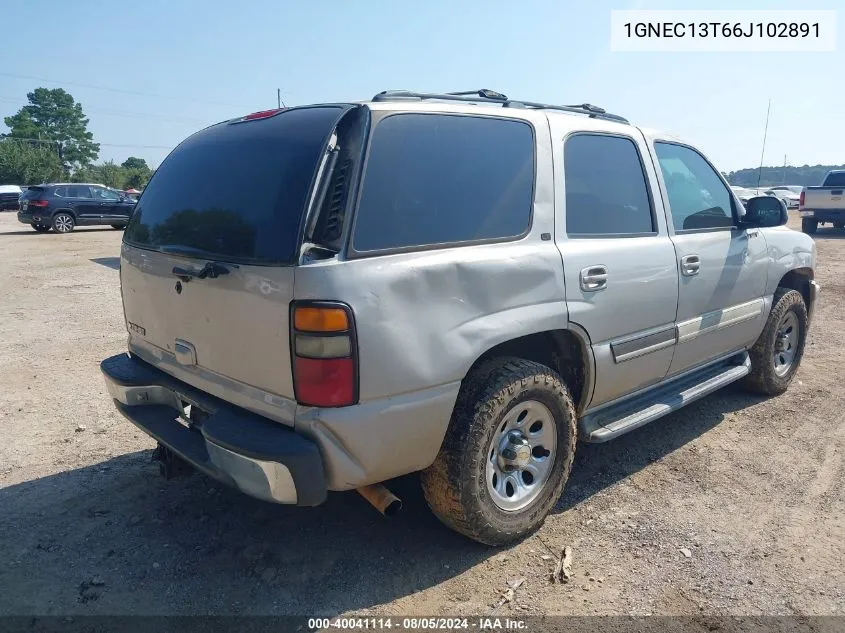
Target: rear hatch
[
  {"x": 230, "y": 200},
  {"x": 32, "y": 193}
]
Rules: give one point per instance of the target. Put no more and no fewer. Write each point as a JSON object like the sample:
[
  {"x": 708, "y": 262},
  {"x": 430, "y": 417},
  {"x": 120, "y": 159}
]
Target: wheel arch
[
  {"x": 799, "y": 279},
  {"x": 567, "y": 351},
  {"x": 70, "y": 212}
]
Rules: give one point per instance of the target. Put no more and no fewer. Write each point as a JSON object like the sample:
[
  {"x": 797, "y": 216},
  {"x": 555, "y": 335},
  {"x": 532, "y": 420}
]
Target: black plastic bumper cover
[{"x": 230, "y": 427}]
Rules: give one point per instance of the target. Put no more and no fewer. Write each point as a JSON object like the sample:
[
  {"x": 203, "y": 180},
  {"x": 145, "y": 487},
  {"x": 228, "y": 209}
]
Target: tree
[
  {"x": 133, "y": 162},
  {"x": 55, "y": 120},
  {"x": 137, "y": 172},
  {"x": 25, "y": 164}
]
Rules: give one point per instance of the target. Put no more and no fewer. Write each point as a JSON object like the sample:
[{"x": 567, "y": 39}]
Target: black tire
[
  {"x": 455, "y": 485},
  {"x": 41, "y": 228},
  {"x": 118, "y": 227},
  {"x": 764, "y": 378},
  {"x": 809, "y": 225},
  {"x": 63, "y": 222}
]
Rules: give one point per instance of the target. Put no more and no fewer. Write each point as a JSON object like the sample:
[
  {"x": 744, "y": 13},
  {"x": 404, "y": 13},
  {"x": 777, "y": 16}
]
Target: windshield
[{"x": 235, "y": 191}]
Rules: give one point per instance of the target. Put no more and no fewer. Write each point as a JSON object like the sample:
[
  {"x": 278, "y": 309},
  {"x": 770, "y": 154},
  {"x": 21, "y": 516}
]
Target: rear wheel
[
  {"x": 41, "y": 228},
  {"x": 809, "y": 225},
  {"x": 777, "y": 353},
  {"x": 507, "y": 454},
  {"x": 63, "y": 222}
]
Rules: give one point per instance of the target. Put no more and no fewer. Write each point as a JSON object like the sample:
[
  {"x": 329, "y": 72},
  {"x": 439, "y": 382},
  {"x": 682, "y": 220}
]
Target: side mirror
[{"x": 763, "y": 211}]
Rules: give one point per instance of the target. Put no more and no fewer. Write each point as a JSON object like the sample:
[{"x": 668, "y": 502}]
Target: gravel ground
[{"x": 734, "y": 505}]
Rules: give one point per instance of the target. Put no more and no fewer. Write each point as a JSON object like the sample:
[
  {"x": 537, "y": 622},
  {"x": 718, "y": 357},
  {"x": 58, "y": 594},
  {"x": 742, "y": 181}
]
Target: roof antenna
[{"x": 765, "y": 132}]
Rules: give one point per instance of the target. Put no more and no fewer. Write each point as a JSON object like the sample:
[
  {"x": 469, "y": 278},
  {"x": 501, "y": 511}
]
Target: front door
[
  {"x": 619, "y": 262},
  {"x": 723, "y": 268},
  {"x": 109, "y": 203}
]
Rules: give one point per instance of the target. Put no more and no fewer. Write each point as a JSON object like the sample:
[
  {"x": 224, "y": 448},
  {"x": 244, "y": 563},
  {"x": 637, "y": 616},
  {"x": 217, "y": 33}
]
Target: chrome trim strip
[
  {"x": 718, "y": 319},
  {"x": 643, "y": 343}
]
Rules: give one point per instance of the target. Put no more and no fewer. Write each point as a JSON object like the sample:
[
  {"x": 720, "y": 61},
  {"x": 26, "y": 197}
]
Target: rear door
[
  {"x": 619, "y": 263},
  {"x": 83, "y": 203},
  {"x": 234, "y": 194}
]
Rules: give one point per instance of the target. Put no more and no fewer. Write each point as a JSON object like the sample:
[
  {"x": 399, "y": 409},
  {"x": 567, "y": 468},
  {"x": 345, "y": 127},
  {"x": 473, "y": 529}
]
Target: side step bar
[{"x": 607, "y": 424}]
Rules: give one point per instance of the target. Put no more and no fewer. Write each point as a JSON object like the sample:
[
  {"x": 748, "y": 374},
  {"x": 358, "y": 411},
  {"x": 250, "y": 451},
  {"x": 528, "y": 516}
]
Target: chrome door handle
[
  {"x": 593, "y": 278},
  {"x": 690, "y": 265}
]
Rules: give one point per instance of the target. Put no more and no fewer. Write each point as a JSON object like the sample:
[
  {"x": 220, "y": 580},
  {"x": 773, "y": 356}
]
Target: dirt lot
[{"x": 752, "y": 488}]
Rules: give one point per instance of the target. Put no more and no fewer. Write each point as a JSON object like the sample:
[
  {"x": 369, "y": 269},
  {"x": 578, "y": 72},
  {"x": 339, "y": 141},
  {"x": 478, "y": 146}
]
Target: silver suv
[{"x": 326, "y": 297}]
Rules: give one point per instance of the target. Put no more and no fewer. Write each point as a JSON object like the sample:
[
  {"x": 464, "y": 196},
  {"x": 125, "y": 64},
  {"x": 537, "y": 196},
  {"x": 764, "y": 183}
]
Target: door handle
[
  {"x": 593, "y": 278},
  {"x": 690, "y": 265}
]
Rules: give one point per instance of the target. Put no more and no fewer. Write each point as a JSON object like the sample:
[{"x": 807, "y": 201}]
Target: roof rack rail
[{"x": 491, "y": 96}]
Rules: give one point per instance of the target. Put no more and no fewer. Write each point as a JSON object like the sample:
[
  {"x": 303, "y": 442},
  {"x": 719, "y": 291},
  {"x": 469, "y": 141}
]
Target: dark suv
[{"x": 62, "y": 206}]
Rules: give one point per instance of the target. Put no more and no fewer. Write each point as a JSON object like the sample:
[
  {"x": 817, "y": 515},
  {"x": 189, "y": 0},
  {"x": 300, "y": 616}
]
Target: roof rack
[{"x": 490, "y": 96}]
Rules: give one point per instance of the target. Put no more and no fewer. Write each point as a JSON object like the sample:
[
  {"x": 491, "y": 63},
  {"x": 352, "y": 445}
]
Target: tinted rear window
[
  {"x": 236, "y": 191},
  {"x": 440, "y": 179},
  {"x": 835, "y": 180},
  {"x": 33, "y": 193}
]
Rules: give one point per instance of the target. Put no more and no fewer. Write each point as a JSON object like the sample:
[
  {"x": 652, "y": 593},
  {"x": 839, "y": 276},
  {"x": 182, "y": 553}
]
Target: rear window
[
  {"x": 33, "y": 193},
  {"x": 835, "y": 180},
  {"x": 442, "y": 179},
  {"x": 235, "y": 191}
]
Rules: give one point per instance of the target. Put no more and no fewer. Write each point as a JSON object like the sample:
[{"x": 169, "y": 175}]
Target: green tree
[
  {"x": 137, "y": 172},
  {"x": 54, "y": 119},
  {"x": 25, "y": 164},
  {"x": 133, "y": 162}
]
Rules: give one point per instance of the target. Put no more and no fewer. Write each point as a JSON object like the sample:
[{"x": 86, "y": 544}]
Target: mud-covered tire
[
  {"x": 809, "y": 225},
  {"x": 764, "y": 378},
  {"x": 455, "y": 485}
]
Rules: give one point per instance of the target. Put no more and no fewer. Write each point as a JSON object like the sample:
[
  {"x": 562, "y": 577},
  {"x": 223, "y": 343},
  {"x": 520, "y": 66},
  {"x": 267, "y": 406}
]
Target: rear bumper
[
  {"x": 824, "y": 215},
  {"x": 243, "y": 450}
]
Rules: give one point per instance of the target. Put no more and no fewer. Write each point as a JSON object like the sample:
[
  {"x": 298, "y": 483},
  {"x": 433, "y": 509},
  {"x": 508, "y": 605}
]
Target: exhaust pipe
[{"x": 382, "y": 499}]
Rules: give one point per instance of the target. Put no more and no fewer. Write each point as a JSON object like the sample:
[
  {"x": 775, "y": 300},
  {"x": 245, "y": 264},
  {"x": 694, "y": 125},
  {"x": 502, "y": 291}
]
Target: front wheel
[
  {"x": 777, "y": 353},
  {"x": 41, "y": 228},
  {"x": 507, "y": 453},
  {"x": 63, "y": 223}
]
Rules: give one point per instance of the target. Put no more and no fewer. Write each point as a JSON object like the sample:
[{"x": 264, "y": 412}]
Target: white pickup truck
[{"x": 824, "y": 204}]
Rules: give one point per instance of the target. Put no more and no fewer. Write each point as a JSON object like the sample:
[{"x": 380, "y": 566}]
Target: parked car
[
  {"x": 62, "y": 206},
  {"x": 824, "y": 204},
  {"x": 789, "y": 197},
  {"x": 9, "y": 197},
  {"x": 796, "y": 189},
  {"x": 477, "y": 286}
]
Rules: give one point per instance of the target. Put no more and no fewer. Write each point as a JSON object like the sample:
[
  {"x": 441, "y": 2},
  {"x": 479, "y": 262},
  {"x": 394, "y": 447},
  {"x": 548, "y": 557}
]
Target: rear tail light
[
  {"x": 324, "y": 359},
  {"x": 801, "y": 200},
  {"x": 38, "y": 203}
]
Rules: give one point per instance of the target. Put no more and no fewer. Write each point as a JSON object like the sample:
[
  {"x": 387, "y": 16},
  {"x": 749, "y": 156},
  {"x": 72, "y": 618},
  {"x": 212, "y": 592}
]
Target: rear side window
[
  {"x": 79, "y": 191},
  {"x": 442, "y": 179},
  {"x": 235, "y": 191},
  {"x": 606, "y": 191},
  {"x": 60, "y": 192},
  {"x": 836, "y": 179}
]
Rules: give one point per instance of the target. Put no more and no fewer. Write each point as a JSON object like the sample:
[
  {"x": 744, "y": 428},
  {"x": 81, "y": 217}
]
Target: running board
[{"x": 618, "y": 419}]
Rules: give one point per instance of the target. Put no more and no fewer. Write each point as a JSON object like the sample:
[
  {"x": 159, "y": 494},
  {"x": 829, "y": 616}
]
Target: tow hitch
[{"x": 170, "y": 465}]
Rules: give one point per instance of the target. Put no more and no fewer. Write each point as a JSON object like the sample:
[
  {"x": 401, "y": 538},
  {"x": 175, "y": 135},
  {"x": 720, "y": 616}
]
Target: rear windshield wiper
[{"x": 211, "y": 269}]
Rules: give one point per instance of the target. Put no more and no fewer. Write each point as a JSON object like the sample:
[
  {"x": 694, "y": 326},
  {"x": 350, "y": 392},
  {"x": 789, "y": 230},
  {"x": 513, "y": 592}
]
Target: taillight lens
[
  {"x": 38, "y": 203},
  {"x": 325, "y": 364},
  {"x": 801, "y": 200}
]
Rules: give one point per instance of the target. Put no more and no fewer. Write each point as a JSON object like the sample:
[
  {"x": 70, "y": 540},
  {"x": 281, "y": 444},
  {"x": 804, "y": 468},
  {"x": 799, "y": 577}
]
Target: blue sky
[{"x": 198, "y": 62}]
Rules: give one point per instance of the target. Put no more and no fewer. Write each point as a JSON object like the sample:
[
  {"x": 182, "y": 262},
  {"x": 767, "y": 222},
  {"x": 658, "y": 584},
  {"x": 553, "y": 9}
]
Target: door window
[
  {"x": 606, "y": 191},
  {"x": 105, "y": 195},
  {"x": 698, "y": 199},
  {"x": 79, "y": 191}
]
